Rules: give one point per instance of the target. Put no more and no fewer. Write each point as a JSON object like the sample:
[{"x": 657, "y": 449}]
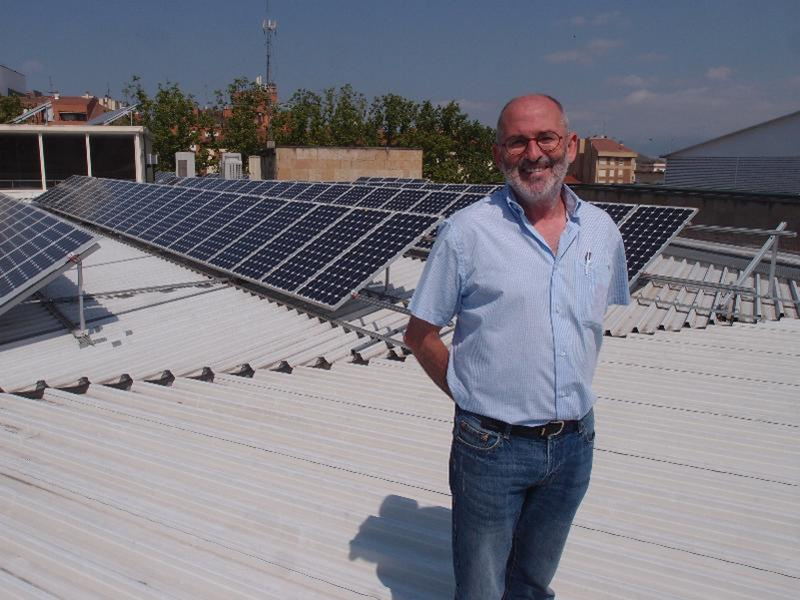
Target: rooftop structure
[
  {"x": 205, "y": 439},
  {"x": 341, "y": 164},
  {"x": 763, "y": 158},
  {"x": 65, "y": 110},
  {"x": 35, "y": 158},
  {"x": 277, "y": 485}
]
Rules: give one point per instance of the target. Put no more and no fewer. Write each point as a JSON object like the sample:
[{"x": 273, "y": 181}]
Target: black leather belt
[{"x": 548, "y": 430}]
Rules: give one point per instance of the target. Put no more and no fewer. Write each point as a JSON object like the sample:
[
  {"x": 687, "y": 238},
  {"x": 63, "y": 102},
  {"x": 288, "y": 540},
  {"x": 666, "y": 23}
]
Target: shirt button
[{"x": 562, "y": 353}]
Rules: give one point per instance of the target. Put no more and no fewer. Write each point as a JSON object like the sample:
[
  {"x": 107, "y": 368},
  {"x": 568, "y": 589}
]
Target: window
[
  {"x": 113, "y": 156},
  {"x": 64, "y": 155},
  {"x": 19, "y": 162},
  {"x": 72, "y": 116}
]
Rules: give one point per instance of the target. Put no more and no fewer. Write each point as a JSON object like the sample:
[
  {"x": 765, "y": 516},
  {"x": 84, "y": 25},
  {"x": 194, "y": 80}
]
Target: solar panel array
[
  {"x": 316, "y": 251},
  {"x": 33, "y": 246},
  {"x": 295, "y": 237},
  {"x": 427, "y": 198},
  {"x": 652, "y": 233}
]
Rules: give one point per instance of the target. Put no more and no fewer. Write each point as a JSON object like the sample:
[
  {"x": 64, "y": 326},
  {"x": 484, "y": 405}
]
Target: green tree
[
  {"x": 245, "y": 107},
  {"x": 455, "y": 148},
  {"x": 347, "y": 116},
  {"x": 300, "y": 121},
  {"x": 171, "y": 116},
  {"x": 391, "y": 118},
  {"x": 10, "y": 108},
  {"x": 337, "y": 117}
]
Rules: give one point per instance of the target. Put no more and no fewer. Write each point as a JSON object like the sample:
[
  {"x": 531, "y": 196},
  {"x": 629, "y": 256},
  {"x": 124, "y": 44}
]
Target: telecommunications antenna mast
[{"x": 270, "y": 28}]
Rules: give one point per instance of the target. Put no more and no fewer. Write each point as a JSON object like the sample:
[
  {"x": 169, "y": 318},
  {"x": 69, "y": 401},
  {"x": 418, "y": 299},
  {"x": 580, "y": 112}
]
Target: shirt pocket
[{"x": 593, "y": 300}]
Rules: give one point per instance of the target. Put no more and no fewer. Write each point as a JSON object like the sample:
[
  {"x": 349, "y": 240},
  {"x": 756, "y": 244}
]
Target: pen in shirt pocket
[{"x": 587, "y": 263}]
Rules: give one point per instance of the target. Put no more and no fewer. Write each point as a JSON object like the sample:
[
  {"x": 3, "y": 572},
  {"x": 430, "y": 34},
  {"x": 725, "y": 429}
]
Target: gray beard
[{"x": 547, "y": 195}]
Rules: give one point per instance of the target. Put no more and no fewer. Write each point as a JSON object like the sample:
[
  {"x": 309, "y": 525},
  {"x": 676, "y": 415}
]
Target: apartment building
[{"x": 604, "y": 160}]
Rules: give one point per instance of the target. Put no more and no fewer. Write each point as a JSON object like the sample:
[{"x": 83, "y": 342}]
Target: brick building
[
  {"x": 66, "y": 110},
  {"x": 603, "y": 160}
]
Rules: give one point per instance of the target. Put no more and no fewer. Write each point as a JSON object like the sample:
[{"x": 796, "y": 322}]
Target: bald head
[{"x": 541, "y": 103}]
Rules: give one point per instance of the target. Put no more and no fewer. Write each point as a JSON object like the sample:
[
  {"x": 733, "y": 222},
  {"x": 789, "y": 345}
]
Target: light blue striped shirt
[{"x": 530, "y": 324}]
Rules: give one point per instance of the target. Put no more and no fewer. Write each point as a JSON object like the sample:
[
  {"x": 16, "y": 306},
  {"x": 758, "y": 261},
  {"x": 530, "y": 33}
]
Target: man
[{"x": 529, "y": 272}]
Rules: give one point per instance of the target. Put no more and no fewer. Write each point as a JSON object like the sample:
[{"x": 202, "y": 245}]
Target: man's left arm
[{"x": 618, "y": 290}]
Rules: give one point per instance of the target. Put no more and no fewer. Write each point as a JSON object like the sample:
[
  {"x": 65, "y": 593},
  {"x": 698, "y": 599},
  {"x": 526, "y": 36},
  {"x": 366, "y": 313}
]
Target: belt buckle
[{"x": 555, "y": 433}]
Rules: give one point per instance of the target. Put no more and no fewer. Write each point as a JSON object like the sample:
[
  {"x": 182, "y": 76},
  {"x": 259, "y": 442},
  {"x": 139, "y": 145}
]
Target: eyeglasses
[{"x": 547, "y": 142}]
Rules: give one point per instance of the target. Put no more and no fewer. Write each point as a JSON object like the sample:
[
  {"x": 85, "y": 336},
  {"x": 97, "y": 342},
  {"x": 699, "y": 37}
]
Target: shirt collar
[{"x": 571, "y": 200}]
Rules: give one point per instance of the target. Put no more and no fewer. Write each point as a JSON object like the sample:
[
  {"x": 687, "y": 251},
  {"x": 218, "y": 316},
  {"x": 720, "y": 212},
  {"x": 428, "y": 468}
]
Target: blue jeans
[{"x": 514, "y": 499}]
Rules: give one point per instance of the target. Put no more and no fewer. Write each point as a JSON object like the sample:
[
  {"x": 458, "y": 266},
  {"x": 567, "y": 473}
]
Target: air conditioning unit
[{"x": 230, "y": 165}]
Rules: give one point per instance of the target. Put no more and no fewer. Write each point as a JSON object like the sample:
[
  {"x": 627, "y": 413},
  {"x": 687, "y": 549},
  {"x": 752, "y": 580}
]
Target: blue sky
[{"x": 657, "y": 75}]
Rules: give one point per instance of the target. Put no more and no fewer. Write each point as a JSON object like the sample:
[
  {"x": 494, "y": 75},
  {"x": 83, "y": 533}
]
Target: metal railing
[{"x": 728, "y": 296}]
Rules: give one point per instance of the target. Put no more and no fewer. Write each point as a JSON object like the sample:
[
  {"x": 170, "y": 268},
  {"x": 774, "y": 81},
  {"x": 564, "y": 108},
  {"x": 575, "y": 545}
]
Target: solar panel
[
  {"x": 58, "y": 193},
  {"x": 464, "y": 201},
  {"x": 34, "y": 248},
  {"x": 110, "y": 117},
  {"x": 359, "y": 265},
  {"x": 404, "y": 200},
  {"x": 191, "y": 182},
  {"x": 617, "y": 212},
  {"x": 215, "y": 183},
  {"x": 279, "y": 188},
  {"x": 353, "y": 196},
  {"x": 239, "y": 186},
  {"x": 435, "y": 203},
  {"x": 311, "y": 192},
  {"x": 294, "y": 190},
  {"x": 325, "y": 249},
  {"x": 157, "y": 209},
  {"x": 166, "y": 177},
  {"x": 208, "y": 221},
  {"x": 285, "y": 231},
  {"x": 248, "y": 187},
  {"x": 286, "y": 245},
  {"x": 332, "y": 193},
  {"x": 483, "y": 189},
  {"x": 242, "y": 225},
  {"x": 378, "y": 197},
  {"x": 648, "y": 231},
  {"x": 263, "y": 187},
  {"x": 208, "y": 203}
]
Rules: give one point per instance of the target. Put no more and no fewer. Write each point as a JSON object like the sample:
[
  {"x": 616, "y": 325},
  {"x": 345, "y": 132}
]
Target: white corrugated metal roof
[
  {"x": 149, "y": 315},
  {"x": 333, "y": 483}
]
